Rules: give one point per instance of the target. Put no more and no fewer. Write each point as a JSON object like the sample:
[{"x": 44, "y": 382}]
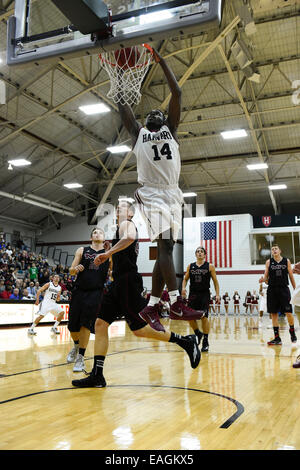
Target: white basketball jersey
[
  {"x": 51, "y": 293},
  {"x": 158, "y": 157}
]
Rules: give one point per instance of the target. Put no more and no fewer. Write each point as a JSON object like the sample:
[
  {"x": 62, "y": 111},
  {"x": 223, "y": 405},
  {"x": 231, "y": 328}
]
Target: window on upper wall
[
  {"x": 285, "y": 242},
  {"x": 261, "y": 243},
  {"x": 260, "y": 248},
  {"x": 297, "y": 246}
]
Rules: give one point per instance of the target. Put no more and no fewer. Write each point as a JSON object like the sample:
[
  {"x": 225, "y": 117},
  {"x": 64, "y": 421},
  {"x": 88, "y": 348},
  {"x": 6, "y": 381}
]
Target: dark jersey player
[
  {"x": 199, "y": 274},
  {"x": 125, "y": 298},
  {"x": 278, "y": 272},
  {"x": 86, "y": 296}
]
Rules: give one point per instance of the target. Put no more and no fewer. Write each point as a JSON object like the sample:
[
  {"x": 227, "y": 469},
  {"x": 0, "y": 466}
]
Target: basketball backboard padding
[{"x": 89, "y": 16}]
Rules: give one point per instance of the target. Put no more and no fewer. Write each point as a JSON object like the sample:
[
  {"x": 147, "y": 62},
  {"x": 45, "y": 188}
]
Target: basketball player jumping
[
  {"x": 199, "y": 275},
  {"x": 124, "y": 298},
  {"x": 86, "y": 296},
  {"x": 49, "y": 304},
  {"x": 159, "y": 197},
  {"x": 278, "y": 271}
]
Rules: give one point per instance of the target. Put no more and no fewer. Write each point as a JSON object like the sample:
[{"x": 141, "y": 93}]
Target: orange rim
[{"x": 146, "y": 46}]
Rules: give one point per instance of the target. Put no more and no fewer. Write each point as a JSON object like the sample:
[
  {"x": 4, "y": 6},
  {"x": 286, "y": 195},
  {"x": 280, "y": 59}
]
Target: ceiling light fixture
[
  {"x": 257, "y": 166},
  {"x": 235, "y": 134},
  {"x": 19, "y": 162},
  {"x": 72, "y": 185},
  {"x": 119, "y": 149},
  {"x": 189, "y": 194},
  {"x": 277, "y": 186},
  {"x": 94, "y": 108}
]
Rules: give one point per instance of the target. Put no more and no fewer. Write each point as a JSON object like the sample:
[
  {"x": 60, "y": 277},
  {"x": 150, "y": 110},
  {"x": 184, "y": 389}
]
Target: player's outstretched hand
[
  {"x": 100, "y": 259},
  {"x": 107, "y": 245},
  {"x": 79, "y": 267},
  {"x": 261, "y": 280},
  {"x": 296, "y": 268}
]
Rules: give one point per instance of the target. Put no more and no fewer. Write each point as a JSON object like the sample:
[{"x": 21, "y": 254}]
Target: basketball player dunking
[
  {"x": 278, "y": 271},
  {"x": 125, "y": 298},
  {"x": 159, "y": 197}
]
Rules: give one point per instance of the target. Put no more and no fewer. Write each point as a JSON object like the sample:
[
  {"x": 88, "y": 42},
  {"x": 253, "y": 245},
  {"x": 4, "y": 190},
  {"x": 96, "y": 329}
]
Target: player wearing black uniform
[
  {"x": 125, "y": 298},
  {"x": 199, "y": 274},
  {"x": 86, "y": 296},
  {"x": 278, "y": 271}
]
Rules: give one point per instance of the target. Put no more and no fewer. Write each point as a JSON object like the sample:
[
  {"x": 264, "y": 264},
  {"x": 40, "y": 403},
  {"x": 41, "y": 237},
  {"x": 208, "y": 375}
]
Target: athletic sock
[
  {"x": 98, "y": 365},
  {"x": 276, "y": 331},
  {"x": 76, "y": 342},
  {"x": 292, "y": 329},
  {"x": 178, "y": 339},
  {"x": 173, "y": 296},
  {"x": 56, "y": 324},
  {"x": 32, "y": 326},
  {"x": 81, "y": 351},
  {"x": 153, "y": 301}
]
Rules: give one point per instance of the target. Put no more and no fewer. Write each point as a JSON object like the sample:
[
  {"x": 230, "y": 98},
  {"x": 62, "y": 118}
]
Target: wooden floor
[{"x": 243, "y": 395}]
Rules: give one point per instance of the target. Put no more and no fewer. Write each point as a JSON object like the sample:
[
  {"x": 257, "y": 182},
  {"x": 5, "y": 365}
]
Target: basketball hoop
[{"x": 126, "y": 69}]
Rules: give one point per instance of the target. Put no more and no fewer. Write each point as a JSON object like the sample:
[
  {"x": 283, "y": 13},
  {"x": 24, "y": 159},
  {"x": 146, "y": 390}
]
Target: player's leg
[
  {"x": 296, "y": 364},
  {"x": 74, "y": 324},
  {"x": 59, "y": 316},
  {"x": 290, "y": 320},
  {"x": 34, "y": 324},
  {"x": 195, "y": 327},
  {"x": 277, "y": 339}
]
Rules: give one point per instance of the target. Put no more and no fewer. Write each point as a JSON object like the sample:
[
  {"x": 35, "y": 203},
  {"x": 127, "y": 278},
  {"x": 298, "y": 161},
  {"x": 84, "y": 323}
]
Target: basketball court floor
[{"x": 243, "y": 396}]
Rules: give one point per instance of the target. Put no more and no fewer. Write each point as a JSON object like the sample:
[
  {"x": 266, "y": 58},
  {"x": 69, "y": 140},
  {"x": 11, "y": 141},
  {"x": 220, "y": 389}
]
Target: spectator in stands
[
  {"x": 33, "y": 272},
  {"x": 6, "y": 293},
  {"x": 16, "y": 295},
  {"x": 9, "y": 250},
  {"x": 44, "y": 276},
  {"x": 27, "y": 296},
  {"x": 2, "y": 285},
  {"x": 32, "y": 289}
]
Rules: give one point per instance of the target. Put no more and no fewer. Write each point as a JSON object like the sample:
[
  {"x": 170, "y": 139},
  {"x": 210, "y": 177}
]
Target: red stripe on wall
[
  {"x": 225, "y": 244},
  {"x": 220, "y": 245},
  {"x": 230, "y": 250}
]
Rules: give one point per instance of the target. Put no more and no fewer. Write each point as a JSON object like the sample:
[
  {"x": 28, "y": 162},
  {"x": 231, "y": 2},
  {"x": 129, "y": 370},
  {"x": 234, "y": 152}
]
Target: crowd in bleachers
[{"x": 23, "y": 272}]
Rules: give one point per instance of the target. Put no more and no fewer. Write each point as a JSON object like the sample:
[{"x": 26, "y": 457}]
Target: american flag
[{"x": 216, "y": 238}]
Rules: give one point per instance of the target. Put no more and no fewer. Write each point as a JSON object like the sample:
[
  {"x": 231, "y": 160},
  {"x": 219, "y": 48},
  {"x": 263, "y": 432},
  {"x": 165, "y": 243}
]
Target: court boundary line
[{"x": 225, "y": 425}]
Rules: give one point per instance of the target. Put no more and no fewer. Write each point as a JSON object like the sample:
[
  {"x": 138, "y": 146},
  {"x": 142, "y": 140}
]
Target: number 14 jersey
[{"x": 158, "y": 157}]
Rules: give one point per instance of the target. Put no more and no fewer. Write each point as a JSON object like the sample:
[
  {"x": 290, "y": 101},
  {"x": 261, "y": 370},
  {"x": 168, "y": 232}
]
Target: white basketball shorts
[
  {"x": 49, "y": 307},
  {"x": 161, "y": 209},
  {"x": 295, "y": 300}
]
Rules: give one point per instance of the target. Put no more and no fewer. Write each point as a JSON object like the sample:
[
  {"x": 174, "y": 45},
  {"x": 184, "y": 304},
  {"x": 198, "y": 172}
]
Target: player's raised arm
[
  {"x": 174, "y": 110},
  {"x": 129, "y": 121},
  {"x": 76, "y": 266}
]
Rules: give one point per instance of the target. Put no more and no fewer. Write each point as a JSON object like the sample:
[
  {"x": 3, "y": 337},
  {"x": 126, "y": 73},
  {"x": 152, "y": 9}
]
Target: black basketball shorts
[
  {"x": 200, "y": 301},
  {"x": 124, "y": 299},
  {"x": 278, "y": 300},
  {"x": 83, "y": 310}
]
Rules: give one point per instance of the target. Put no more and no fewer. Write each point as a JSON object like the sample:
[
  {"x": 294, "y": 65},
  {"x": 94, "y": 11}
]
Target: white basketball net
[{"x": 126, "y": 69}]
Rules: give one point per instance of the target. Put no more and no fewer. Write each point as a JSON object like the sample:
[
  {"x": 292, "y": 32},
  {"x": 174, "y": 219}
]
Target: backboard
[{"x": 40, "y": 30}]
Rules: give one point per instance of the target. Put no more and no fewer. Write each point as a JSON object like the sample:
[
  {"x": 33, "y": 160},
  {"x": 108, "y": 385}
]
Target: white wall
[{"x": 242, "y": 276}]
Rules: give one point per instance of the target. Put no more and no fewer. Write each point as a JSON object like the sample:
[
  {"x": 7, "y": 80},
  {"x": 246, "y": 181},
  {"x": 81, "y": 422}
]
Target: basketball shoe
[
  {"x": 73, "y": 354},
  {"x": 79, "y": 363},
  {"x": 31, "y": 331},
  {"x": 296, "y": 364},
  {"x": 92, "y": 380},
  {"x": 205, "y": 345},
  {"x": 275, "y": 342},
  {"x": 151, "y": 316},
  {"x": 293, "y": 336},
  {"x": 179, "y": 310},
  {"x": 190, "y": 345},
  {"x": 55, "y": 330}
]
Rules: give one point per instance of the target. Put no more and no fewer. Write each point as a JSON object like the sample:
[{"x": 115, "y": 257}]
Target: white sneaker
[
  {"x": 31, "y": 331},
  {"x": 72, "y": 354},
  {"x": 55, "y": 330},
  {"x": 79, "y": 364}
]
